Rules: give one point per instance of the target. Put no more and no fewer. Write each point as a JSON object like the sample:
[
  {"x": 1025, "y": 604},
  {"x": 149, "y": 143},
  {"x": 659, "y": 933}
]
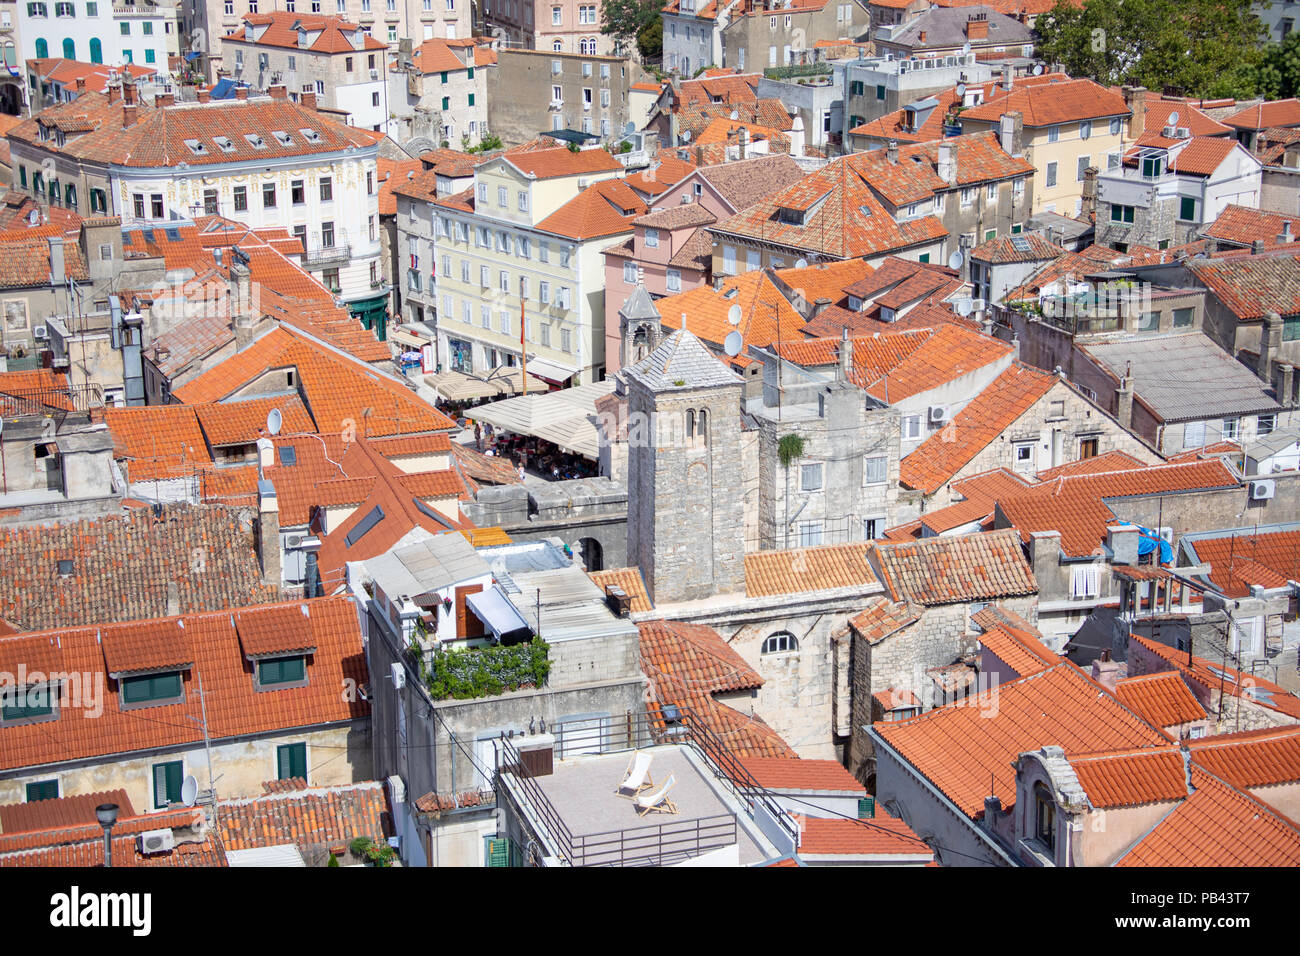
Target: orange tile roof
[
  {"x": 1096, "y": 465},
  {"x": 951, "y": 352},
  {"x": 978, "y": 159},
  {"x": 1218, "y": 826},
  {"x": 874, "y": 356},
  {"x": 146, "y": 646},
  {"x": 1212, "y": 677},
  {"x": 960, "y": 749},
  {"x": 561, "y": 161},
  {"x": 1244, "y": 225},
  {"x": 77, "y": 810},
  {"x": 882, "y": 835},
  {"x": 1132, "y": 777},
  {"x": 983, "y": 420},
  {"x": 1049, "y": 104},
  {"x": 1239, "y": 561},
  {"x": 800, "y": 570},
  {"x": 1014, "y": 641},
  {"x": 809, "y": 776},
  {"x": 630, "y": 580},
  {"x": 1202, "y": 155},
  {"x": 1076, "y": 507},
  {"x": 316, "y": 818},
  {"x": 275, "y": 629},
  {"x": 435, "y": 56},
  {"x": 1253, "y": 286},
  {"x": 1264, "y": 115},
  {"x": 335, "y": 388},
  {"x": 1254, "y": 758},
  {"x": 970, "y": 567},
  {"x": 603, "y": 209},
  {"x": 234, "y": 707},
  {"x": 334, "y": 34},
  {"x": 883, "y": 617},
  {"x": 761, "y": 302},
  {"x": 1163, "y": 699},
  {"x": 243, "y": 422},
  {"x": 1159, "y": 111}
]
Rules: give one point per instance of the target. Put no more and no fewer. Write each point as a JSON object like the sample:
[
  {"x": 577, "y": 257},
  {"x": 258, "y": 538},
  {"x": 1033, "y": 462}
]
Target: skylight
[
  {"x": 225, "y": 143},
  {"x": 283, "y": 138}
]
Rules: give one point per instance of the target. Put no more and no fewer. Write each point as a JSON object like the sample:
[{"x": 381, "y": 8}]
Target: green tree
[
  {"x": 650, "y": 40},
  {"x": 624, "y": 20},
  {"x": 1194, "y": 47},
  {"x": 1278, "y": 73}
]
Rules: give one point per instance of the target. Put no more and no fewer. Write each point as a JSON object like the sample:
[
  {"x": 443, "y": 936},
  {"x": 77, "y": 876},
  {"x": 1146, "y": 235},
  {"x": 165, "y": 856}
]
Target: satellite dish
[
  {"x": 1038, "y": 69},
  {"x": 733, "y": 343},
  {"x": 189, "y": 790},
  {"x": 686, "y": 136},
  {"x": 955, "y": 260},
  {"x": 274, "y": 419},
  {"x": 734, "y": 315},
  {"x": 801, "y": 264},
  {"x": 965, "y": 307},
  {"x": 1173, "y": 118},
  {"x": 961, "y": 89}
]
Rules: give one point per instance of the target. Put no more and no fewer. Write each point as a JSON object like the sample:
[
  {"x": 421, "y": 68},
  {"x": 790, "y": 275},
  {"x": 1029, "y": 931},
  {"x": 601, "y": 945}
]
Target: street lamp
[{"x": 106, "y": 813}]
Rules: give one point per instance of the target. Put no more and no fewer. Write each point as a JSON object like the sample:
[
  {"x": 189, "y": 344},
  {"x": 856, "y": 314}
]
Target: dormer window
[
  {"x": 196, "y": 147},
  {"x": 283, "y": 138},
  {"x": 793, "y": 217},
  {"x": 255, "y": 141},
  {"x": 165, "y": 687},
  {"x": 310, "y": 135},
  {"x": 29, "y": 704},
  {"x": 278, "y": 672},
  {"x": 225, "y": 144}
]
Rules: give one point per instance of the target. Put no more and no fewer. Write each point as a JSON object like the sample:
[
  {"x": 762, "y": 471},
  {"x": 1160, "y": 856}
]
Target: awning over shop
[
  {"x": 499, "y": 616},
  {"x": 550, "y": 371},
  {"x": 567, "y": 417},
  {"x": 498, "y": 383}
]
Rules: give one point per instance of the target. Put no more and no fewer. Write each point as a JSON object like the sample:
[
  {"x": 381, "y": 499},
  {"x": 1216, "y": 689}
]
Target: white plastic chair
[
  {"x": 636, "y": 777},
  {"x": 657, "y": 801}
]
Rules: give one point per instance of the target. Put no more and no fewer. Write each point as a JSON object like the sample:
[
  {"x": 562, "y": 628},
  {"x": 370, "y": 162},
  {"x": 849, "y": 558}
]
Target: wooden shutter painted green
[
  {"x": 167, "y": 779},
  {"x": 292, "y": 761}
]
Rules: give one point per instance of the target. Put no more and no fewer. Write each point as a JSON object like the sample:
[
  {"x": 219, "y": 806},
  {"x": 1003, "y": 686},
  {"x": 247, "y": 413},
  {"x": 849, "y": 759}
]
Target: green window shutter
[
  {"x": 26, "y": 703},
  {"x": 281, "y": 670},
  {"x": 866, "y": 808},
  {"x": 471, "y": 99},
  {"x": 43, "y": 790},
  {"x": 167, "y": 779},
  {"x": 880, "y": 92},
  {"x": 446, "y": 102},
  {"x": 1187, "y": 209},
  {"x": 470, "y": 74},
  {"x": 291, "y": 761},
  {"x": 444, "y": 77},
  {"x": 139, "y": 690},
  {"x": 990, "y": 234},
  {"x": 502, "y": 852},
  {"x": 924, "y": 257},
  {"x": 22, "y": 176}
]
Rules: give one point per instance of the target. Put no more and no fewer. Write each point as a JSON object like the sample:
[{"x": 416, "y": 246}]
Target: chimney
[
  {"x": 1256, "y": 247},
  {"x": 174, "y": 598},
  {"x": 129, "y": 111},
  {"x": 1135, "y": 98},
  {"x": 992, "y": 808},
  {"x": 1285, "y": 235},
  {"x": 891, "y": 152},
  {"x": 164, "y": 99},
  {"x": 1089, "y": 208},
  {"x": 1124, "y": 403},
  {"x": 977, "y": 29},
  {"x": 948, "y": 163},
  {"x": 820, "y": 306},
  {"x": 129, "y": 91},
  {"x": 308, "y": 99},
  {"x": 1286, "y": 384},
  {"x": 265, "y": 454},
  {"x": 1106, "y": 671},
  {"x": 744, "y": 143},
  {"x": 846, "y": 356},
  {"x": 114, "y": 91},
  {"x": 278, "y": 91},
  {"x": 81, "y": 84},
  {"x": 268, "y": 532},
  {"x": 1122, "y": 540},
  {"x": 241, "y": 92},
  {"x": 1011, "y": 133},
  {"x": 1270, "y": 334},
  {"x": 57, "y": 271},
  {"x": 1007, "y": 79},
  {"x": 205, "y": 95}
]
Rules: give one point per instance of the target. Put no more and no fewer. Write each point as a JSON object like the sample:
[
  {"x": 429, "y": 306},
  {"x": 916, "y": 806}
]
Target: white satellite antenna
[
  {"x": 189, "y": 790},
  {"x": 686, "y": 136},
  {"x": 274, "y": 419},
  {"x": 961, "y": 90},
  {"x": 955, "y": 260},
  {"x": 734, "y": 315},
  {"x": 733, "y": 343},
  {"x": 1038, "y": 69},
  {"x": 965, "y": 307},
  {"x": 1173, "y": 119},
  {"x": 801, "y": 264}
]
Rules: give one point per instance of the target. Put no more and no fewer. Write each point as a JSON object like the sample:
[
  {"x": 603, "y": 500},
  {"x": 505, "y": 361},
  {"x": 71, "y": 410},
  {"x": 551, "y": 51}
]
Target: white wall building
[{"x": 99, "y": 31}]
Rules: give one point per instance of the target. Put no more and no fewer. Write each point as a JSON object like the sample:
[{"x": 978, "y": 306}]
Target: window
[
  {"x": 1085, "y": 129},
  {"x": 326, "y": 189},
  {"x": 1183, "y": 318},
  {"x": 151, "y": 689},
  {"x": 557, "y": 16},
  {"x": 566, "y": 341},
  {"x": 1187, "y": 209},
  {"x": 156, "y": 203},
  {"x": 875, "y": 470},
  {"x": 291, "y": 761},
  {"x": 1231, "y": 428},
  {"x": 330, "y": 279},
  {"x": 43, "y": 790},
  {"x": 523, "y": 207},
  {"x": 1044, "y": 817},
  {"x": 810, "y": 477},
  {"x": 1082, "y": 167},
  {"x": 485, "y": 316},
  {"x": 674, "y": 280},
  {"x": 1152, "y": 167},
  {"x": 1024, "y": 455},
  {"x": 125, "y": 28},
  {"x": 871, "y": 528},
  {"x": 988, "y": 234},
  {"x": 967, "y": 196},
  {"x": 210, "y": 202},
  {"x": 911, "y": 427},
  {"x": 782, "y": 642},
  {"x": 1265, "y": 424},
  {"x": 33, "y": 702},
  {"x": 1122, "y": 214},
  {"x": 544, "y": 292},
  {"x": 268, "y": 195},
  {"x": 167, "y": 779},
  {"x": 1053, "y": 134},
  {"x": 327, "y": 235},
  {"x": 297, "y": 192},
  {"x": 629, "y": 272},
  {"x": 1085, "y": 580},
  {"x": 1194, "y": 434},
  {"x": 1051, "y": 174},
  {"x": 1114, "y": 125},
  {"x": 503, "y": 197},
  {"x": 1148, "y": 322}
]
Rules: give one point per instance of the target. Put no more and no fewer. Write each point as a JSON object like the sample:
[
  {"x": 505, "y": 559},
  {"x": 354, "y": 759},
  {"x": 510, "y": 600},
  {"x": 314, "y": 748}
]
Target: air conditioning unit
[
  {"x": 939, "y": 414},
  {"x": 40, "y": 332},
  {"x": 399, "y": 675},
  {"x": 1262, "y": 490},
  {"x": 293, "y": 541},
  {"x": 156, "y": 841}
]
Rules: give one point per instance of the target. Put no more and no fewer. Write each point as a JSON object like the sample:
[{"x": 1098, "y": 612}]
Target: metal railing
[
  {"x": 41, "y": 401},
  {"x": 654, "y": 843},
  {"x": 320, "y": 253}
]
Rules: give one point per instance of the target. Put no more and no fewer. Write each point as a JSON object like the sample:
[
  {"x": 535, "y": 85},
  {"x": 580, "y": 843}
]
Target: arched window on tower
[
  {"x": 702, "y": 426},
  {"x": 782, "y": 642},
  {"x": 690, "y": 426}
]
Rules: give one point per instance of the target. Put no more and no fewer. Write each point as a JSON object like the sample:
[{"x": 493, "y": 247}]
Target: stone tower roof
[
  {"x": 639, "y": 305},
  {"x": 681, "y": 361}
]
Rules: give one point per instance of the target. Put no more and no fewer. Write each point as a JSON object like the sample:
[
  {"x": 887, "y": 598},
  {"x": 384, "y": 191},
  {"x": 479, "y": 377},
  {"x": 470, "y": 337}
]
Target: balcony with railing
[
  {"x": 562, "y": 788},
  {"x": 327, "y": 248}
]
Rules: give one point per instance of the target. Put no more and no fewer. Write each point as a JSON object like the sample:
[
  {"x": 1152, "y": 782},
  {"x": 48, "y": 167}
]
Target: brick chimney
[
  {"x": 205, "y": 95},
  {"x": 129, "y": 113},
  {"x": 308, "y": 99},
  {"x": 1089, "y": 204},
  {"x": 164, "y": 99},
  {"x": 241, "y": 92},
  {"x": 977, "y": 29},
  {"x": 114, "y": 91},
  {"x": 268, "y": 532},
  {"x": 1106, "y": 671},
  {"x": 129, "y": 94},
  {"x": 81, "y": 84},
  {"x": 1270, "y": 336},
  {"x": 1135, "y": 98},
  {"x": 278, "y": 91}
]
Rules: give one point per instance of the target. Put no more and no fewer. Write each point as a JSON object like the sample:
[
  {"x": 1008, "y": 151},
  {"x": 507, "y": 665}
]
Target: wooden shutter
[{"x": 467, "y": 622}]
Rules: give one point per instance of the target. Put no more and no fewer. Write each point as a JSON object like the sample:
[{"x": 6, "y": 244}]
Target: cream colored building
[{"x": 519, "y": 240}]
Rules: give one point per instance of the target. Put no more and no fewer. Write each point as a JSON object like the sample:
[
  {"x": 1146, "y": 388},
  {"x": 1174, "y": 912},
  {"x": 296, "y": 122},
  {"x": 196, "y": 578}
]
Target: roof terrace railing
[{"x": 16, "y": 403}]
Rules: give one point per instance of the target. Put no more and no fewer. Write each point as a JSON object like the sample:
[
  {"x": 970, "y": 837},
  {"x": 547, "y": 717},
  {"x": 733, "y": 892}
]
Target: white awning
[
  {"x": 496, "y": 612},
  {"x": 550, "y": 371},
  {"x": 566, "y": 417},
  {"x": 286, "y": 854}
]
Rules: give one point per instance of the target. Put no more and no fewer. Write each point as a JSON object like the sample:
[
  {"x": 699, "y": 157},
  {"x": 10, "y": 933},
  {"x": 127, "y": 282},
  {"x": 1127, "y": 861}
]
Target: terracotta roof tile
[
  {"x": 1239, "y": 561},
  {"x": 809, "y": 776},
  {"x": 1014, "y": 641},
  {"x": 318, "y": 817},
  {"x": 275, "y": 629},
  {"x": 560, "y": 161},
  {"x": 801, "y": 570},
  {"x": 1049, "y": 104},
  {"x": 72, "y": 811},
  {"x": 332, "y": 34},
  {"x": 1212, "y": 677},
  {"x": 630, "y": 580},
  {"x": 1131, "y": 778},
  {"x": 1256, "y": 758},
  {"x": 1243, "y": 225},
  {"x": 606, "y": 208},
  {"x": 963, "y": 568},
  {"x": 883, "y": 617},
  {"x": 948, "y": 354},
  {"x": 1264, "y": 115},
  {"x": 1163, "y": 699},
  {"x": 882, "y": 835},
  {"x": 1253, "y": 286},
  {"x": 146, "y": 646}
]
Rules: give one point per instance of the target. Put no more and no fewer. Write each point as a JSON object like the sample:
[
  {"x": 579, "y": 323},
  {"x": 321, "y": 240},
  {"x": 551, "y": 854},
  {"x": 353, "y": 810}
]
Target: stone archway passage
[{"x": 593, "y": 555}]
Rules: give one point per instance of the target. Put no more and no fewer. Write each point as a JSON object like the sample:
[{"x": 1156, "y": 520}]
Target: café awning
[
  {"x": 551, "y": 372},
  {"x": 498, "y": 383},
  {"x": 566, "y": 418}
]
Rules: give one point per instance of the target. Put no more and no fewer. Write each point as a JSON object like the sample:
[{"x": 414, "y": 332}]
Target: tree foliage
[
  {"x": 1278, "y": 72},
  {"x": 625, "y": 19},
  {"x": 650, "y": 39},
  {"x": 1191, "y": 47}
]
